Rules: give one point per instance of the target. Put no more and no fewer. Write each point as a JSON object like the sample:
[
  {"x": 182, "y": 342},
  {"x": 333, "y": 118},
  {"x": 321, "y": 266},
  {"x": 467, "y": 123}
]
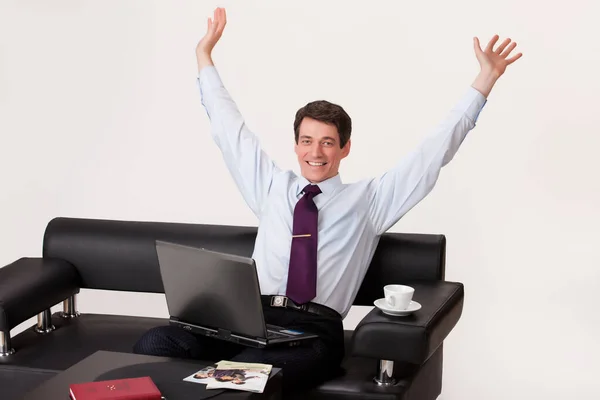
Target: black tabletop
[{"x": 167, "y": 374}]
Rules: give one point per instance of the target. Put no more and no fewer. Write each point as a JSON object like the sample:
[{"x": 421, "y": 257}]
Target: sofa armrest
[
  {"x": 413, "y": 338},
  {"x": 30, "y": 285}
]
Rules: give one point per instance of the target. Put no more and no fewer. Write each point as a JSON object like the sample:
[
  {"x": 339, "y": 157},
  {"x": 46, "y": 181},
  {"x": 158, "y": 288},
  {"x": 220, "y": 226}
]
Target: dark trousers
[{"x": 304, "y": 366}]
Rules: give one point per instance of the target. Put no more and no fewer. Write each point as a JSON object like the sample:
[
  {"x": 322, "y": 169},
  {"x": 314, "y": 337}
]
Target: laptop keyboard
[{"x": 273, "y": 334}]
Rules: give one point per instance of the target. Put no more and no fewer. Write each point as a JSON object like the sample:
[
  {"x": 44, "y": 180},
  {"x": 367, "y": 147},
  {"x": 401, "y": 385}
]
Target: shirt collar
[{"x": 327, "y": 186}]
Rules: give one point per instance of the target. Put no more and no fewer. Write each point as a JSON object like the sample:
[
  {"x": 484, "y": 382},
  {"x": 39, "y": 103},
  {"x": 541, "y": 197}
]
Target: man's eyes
[{"x": 324, "y": 143}]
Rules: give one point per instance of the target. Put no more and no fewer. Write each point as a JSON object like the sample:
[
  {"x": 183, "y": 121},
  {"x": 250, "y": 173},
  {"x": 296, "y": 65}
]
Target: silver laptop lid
[{"x": 211, "y": 289}]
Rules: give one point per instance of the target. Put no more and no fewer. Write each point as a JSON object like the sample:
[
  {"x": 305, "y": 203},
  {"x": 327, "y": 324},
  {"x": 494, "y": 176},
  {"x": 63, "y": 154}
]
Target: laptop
[{"x": 218, "y": 295}]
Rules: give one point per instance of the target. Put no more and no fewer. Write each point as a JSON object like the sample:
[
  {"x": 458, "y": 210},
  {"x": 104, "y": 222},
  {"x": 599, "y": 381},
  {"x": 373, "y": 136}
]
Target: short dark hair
[{"x": 327, "y": 112}]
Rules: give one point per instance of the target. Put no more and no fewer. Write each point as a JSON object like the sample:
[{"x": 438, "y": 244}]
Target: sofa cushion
[
  {"x": 76, "y": 338},
  {"x": 121, "y": 255},
  {"x": 15, "y": 381},
  {"x": 413, "y": 382}
]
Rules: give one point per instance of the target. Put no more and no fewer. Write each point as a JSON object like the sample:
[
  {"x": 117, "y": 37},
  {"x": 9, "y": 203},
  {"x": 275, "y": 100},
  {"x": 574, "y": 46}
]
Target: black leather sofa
[{"x": 387, "y": 357}]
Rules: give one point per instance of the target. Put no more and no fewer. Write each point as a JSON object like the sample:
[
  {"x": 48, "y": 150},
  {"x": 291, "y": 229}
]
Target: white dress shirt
[{"x": 351, "y": 216}]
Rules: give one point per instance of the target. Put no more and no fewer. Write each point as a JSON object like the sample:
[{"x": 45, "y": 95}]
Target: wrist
[
  {"x": 489, "y": 74},
  {"x": 485, "y": 81},
  {"x": 204, "y": 59}
]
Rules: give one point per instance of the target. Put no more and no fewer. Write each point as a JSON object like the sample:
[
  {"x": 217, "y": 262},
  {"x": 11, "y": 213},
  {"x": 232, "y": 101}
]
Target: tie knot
[{"x": 311, "y": 189}]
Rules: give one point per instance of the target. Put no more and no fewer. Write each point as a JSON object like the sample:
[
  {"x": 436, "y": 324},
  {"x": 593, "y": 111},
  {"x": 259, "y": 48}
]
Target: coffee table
[{"x": 167, "y": 374}]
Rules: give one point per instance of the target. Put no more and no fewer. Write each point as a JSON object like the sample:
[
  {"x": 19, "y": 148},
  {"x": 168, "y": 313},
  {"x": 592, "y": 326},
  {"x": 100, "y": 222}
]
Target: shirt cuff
[
  {"x": 472, "y": 103},
  {"x": 209, "y": 76}
]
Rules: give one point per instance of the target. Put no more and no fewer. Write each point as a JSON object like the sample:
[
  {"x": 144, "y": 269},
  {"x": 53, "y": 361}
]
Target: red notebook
[{"x": 119, "y": 389}]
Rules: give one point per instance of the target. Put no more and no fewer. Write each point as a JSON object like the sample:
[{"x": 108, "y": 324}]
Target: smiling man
[
  {"x": 317, "y": 235},
  {"x": 322, "y": 134}
]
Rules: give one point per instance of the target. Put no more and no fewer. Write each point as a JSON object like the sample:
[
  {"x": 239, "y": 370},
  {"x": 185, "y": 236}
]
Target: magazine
[{"x": 251, "y": 377}]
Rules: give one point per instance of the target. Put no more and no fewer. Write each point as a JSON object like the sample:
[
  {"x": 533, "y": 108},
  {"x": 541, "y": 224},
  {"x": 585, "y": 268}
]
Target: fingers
[
  {"x": 504, "y": 49},
  {"x": 491, "y": 43},
  {"x": 476, "y": 45},
  {"x": 510, "y": 48},
  {"x": 215, "y": 24},
  {"x": 514, "y": 58},
  {"x": 507, "y": 52},
  {"x": 220, "y": 20},
  {"x": 502, "y": 46}
]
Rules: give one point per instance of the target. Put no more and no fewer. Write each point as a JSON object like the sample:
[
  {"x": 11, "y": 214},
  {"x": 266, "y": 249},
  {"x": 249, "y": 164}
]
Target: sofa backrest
[{"x": 121, "y": 255}]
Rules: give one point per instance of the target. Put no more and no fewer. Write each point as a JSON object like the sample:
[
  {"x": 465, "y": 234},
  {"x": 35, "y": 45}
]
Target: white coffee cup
[{"x": 398, "y": 297}]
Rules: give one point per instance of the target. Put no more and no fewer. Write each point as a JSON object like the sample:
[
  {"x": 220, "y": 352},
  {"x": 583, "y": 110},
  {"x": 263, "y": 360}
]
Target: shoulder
[
  {"x": 364, "y": 185},
  {"x": 359, "y": 193},
  {"x": 282, "y": 181},
  {"x": 285, "y": 176}
]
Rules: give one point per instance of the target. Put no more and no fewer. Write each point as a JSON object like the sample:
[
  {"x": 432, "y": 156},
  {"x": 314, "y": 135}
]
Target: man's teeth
[{"x": 316, "y": 164}]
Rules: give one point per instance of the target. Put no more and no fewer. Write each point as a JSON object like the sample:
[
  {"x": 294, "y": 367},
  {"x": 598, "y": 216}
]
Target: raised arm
[
  {"x": 400, "y": 189},
  {"x": 251, "y": 169}
]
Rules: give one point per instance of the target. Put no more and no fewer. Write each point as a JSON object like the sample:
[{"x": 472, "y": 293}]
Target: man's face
[{"x": 318, "y": 150}]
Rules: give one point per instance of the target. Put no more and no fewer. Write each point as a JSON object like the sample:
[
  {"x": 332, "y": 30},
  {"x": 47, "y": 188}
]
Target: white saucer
[{"x": 382, "y": 305}]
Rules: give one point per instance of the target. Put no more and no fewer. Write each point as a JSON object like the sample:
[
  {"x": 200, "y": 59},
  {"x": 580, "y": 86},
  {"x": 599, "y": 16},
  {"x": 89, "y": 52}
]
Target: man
[{"x": 316, "y": 235}]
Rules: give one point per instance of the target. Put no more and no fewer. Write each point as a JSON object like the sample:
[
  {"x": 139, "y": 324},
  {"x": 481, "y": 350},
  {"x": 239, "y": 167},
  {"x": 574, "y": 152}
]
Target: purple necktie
[{"x": 302, "y": 273}]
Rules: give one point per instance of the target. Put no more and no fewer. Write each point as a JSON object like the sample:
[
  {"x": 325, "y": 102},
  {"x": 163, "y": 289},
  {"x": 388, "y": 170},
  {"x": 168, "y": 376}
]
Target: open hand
[
  {"x": 495, "y": 61},
  {"x": 213, "y": 34}
]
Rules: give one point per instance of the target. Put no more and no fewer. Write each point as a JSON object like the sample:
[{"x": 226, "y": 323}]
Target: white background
[{"x": 100, "y": 117}]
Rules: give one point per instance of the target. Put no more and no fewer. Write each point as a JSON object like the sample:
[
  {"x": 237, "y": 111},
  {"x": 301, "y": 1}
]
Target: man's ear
[{"x": 346, "y": 149}]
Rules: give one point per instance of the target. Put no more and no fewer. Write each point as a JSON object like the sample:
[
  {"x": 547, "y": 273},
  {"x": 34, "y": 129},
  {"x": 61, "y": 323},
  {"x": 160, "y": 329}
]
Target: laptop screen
[{"x": 211, "y": 289}]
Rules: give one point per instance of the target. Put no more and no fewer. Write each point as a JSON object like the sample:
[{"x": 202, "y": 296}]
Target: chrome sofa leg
[
  {"x": 70, "y": 308},
  {"x": 44, "y": 322},
  {"x": 5, "y": 346},
  {"x": 385, "y": 373}
]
